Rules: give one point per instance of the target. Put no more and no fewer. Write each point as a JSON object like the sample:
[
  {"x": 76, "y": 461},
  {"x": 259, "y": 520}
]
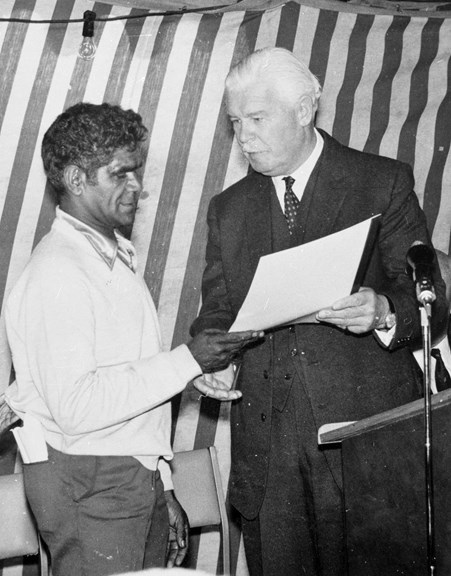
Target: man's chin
[
  {"x": 127, "y": 212},
  {"x": 261, "y": 167},
  {"x": 257, "y": 163},
  {"x": 126, "y": 220}
]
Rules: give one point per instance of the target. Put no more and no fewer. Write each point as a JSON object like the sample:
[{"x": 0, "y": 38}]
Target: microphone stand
[{"x": 426, "y": 299}]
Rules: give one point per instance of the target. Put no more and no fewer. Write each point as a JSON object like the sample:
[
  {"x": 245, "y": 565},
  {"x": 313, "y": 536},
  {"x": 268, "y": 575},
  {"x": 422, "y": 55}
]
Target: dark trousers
[
  {"x": 99, "y": 515},
  {"x": 300, "y": 527}
]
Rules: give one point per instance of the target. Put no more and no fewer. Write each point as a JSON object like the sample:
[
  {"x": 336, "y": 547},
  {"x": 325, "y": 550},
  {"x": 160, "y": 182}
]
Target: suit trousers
[
  {"x": 300, "y": 527},
  {"x": 98, "y": 515}
]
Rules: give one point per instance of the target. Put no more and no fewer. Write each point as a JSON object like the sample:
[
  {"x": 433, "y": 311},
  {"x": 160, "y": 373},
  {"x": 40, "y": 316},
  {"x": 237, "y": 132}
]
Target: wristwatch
[
  {"x": 390, "y": 317},
  {"x": 390, "y": 320}
]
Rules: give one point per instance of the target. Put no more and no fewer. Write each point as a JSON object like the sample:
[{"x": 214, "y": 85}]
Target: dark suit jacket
[{"x": 347, "y": 377}]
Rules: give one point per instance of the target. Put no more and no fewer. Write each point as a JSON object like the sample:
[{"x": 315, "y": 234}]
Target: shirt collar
[
  {"x": 301, "y": 174},
  {"x": 305, "y": 170},
  {"x": 107, "y": 248}
]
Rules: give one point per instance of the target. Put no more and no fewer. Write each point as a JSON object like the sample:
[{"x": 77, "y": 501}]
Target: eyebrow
[
  {"x": 127, "y": 167},
  {"x": 248, "y": 114}
]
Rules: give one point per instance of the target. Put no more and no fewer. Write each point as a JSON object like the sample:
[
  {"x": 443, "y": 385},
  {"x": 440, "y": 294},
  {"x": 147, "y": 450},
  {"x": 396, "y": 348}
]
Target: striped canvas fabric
[{"x": 386, "y": 82}]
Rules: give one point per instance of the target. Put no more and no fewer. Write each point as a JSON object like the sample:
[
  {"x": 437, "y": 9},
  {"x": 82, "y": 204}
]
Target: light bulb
[{"x": 87, "y": 48}]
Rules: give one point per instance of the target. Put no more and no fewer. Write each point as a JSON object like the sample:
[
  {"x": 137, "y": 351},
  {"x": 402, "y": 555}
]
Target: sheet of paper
[
  {"x": 30, "y": 440},
  {"x": 292, "y": 285}
]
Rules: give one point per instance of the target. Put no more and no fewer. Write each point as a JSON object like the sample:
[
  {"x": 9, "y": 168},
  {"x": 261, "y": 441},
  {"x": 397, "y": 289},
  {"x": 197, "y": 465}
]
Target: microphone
[{"x": 420, "y": 258}]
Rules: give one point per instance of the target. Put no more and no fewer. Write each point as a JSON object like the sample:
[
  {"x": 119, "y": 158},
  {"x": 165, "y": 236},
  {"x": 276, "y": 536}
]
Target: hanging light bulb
[{"x": 87, "y": 47}]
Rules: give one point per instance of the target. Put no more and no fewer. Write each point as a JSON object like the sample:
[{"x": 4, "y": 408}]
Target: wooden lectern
[{"x": 384, "y": 482}]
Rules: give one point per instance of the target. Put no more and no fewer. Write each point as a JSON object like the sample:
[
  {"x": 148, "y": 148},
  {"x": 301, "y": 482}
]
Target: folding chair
[
  {"x": 18, "y": 532},
  {"x": 198, "y": 488}
]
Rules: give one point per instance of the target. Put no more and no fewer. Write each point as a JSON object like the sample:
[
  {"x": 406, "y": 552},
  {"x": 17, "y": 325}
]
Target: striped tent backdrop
[{"x": 386, "y": 89}]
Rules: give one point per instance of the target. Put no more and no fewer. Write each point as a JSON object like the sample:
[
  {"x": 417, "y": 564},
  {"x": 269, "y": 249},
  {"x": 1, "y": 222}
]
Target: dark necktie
[
  {"x": 291, "y": 203},
  {"x": 442, "y": 377}
]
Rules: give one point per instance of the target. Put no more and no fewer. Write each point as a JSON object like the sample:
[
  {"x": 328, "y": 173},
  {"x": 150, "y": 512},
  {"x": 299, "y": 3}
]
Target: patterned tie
[
  {"x": 291, "y": 203},
  {"x": 442, "y": 377}
]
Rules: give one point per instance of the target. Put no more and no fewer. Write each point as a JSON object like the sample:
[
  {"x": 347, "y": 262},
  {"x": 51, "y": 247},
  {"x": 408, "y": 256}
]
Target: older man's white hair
[{"x": 281, "y": 69}]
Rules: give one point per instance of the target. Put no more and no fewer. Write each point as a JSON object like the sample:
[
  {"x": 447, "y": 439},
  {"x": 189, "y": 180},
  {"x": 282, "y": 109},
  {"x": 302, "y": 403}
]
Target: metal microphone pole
[{"x": 426, "y": 298}]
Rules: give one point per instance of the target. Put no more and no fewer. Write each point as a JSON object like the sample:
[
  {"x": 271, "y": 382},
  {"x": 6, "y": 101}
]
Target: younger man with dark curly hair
[{"x": 91, "y": 376}]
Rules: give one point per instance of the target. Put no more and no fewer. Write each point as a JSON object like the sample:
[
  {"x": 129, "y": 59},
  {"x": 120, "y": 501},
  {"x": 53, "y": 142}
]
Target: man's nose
[
  {"x": 134, "y": 182},
  {"x": 245, "y": 132}
]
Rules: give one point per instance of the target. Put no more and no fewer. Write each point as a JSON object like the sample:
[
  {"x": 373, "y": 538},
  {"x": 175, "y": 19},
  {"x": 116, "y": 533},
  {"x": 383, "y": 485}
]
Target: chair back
[
  {"x": 198, "y": 488},
  {"x": 18, "y": 532},
  {"x": 18, "y": 535}
]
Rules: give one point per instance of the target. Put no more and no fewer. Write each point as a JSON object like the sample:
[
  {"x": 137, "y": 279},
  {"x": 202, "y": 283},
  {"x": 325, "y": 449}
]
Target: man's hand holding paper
[
  {"x": 293, "y": 285},
  {"x": 215, "y": 349},
  {"x": 359, "y": 313}
]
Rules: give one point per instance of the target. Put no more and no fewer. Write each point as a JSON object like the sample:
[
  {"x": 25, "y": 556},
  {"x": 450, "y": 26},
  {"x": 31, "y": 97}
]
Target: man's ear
[
  {"x": 74, "y": 179},
  {"x": 306, "y": 110}
]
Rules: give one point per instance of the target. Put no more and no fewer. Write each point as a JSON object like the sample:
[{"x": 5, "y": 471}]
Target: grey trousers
[{"x": 99, "y": 515}]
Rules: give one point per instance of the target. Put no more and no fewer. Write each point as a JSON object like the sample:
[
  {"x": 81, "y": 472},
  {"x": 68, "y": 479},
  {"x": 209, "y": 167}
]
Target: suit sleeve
[
  {"x": 402, "y": 224},
  {"x": 216, "y": 311}
]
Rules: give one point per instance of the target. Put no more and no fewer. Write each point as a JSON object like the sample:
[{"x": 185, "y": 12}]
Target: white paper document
[
  {"x": 31, "y": 440},
  {"x": 290, "y": 286}
]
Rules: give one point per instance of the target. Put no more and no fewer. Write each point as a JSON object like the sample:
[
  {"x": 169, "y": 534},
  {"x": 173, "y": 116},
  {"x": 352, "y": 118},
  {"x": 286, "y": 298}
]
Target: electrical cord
[{"x": 127, "y": 17}]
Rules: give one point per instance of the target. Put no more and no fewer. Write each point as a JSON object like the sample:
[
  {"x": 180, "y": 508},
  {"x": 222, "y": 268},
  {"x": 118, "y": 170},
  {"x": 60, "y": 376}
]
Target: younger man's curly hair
[{"x": 87, "y": 135}]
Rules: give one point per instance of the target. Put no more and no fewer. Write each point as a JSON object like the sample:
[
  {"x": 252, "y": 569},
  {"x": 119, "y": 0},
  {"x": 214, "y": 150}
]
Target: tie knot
[
  {"x": 289, "y": 181},
  {"x": 435, "y": 353}
]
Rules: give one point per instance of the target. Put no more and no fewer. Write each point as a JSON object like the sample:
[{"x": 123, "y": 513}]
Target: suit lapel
[
  {"x": 255, "y": 219},
  {"x": 324, "y": 195},
  {"x": 258, "y": 218}
]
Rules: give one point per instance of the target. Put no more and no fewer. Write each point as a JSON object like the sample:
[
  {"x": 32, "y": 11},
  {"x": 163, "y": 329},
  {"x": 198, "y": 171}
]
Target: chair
[
  {"x": 18, "y": 532},
  {"x": 198, "y": 488}
]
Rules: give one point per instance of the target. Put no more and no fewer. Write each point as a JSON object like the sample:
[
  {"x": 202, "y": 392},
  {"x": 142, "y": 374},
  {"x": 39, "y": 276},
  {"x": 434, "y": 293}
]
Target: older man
[
  {"x": 92, "y": 381},
  {"x": 353, "y": 361}
]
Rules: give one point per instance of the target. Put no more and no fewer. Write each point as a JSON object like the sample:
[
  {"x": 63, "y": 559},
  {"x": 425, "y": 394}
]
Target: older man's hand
[{"x": 360, "y": 312}]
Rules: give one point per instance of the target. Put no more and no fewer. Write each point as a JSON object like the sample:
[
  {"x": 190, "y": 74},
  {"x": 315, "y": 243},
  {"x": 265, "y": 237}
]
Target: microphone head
[
  {"x": 420, "y": 253},
  {"x": 420, "y": 257}
]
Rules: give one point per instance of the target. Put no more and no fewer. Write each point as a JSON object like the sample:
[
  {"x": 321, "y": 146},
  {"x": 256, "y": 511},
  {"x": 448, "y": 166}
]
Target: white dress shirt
[
  {"x": 445, "y": 352},
  {"x": 301, "y": 175}
]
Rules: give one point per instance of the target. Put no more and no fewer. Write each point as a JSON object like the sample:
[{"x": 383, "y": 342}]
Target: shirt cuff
[
  {"x": 386, "y": 336},
  {"x": 183, "y": 357}
]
